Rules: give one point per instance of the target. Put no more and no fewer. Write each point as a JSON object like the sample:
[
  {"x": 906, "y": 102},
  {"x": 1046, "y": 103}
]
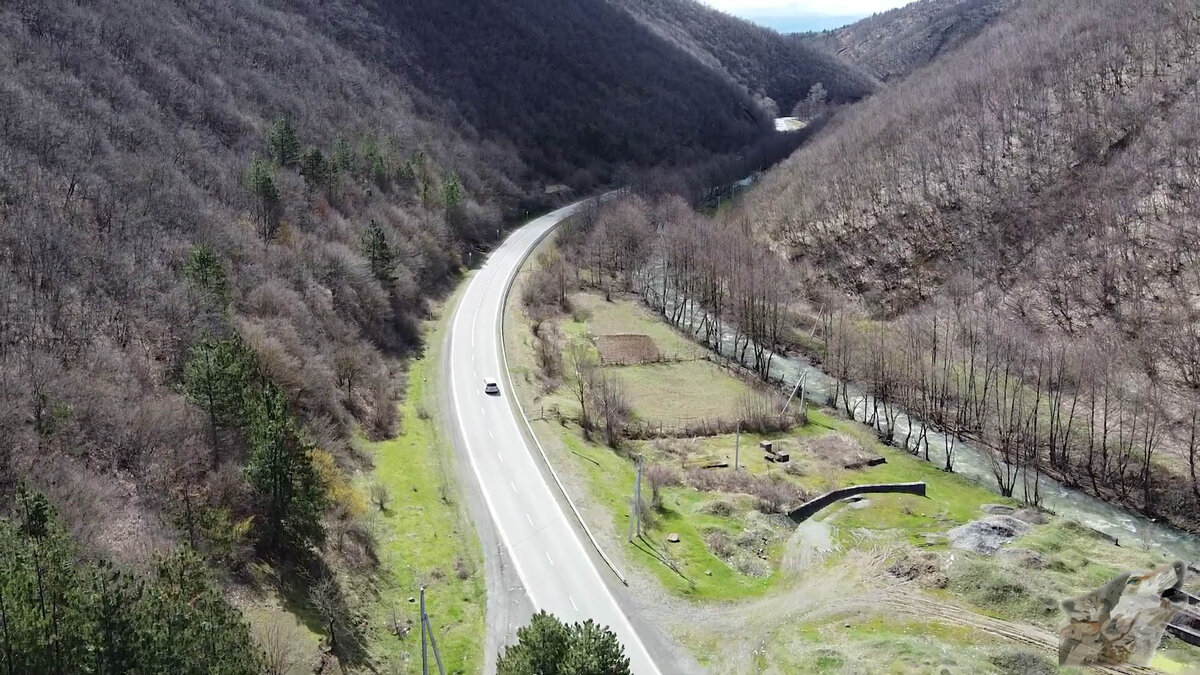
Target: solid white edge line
[
  {"x": 487, "y": 496},
  {"x": 475, "y": 465},
  {"x": 565, "y": 211}
]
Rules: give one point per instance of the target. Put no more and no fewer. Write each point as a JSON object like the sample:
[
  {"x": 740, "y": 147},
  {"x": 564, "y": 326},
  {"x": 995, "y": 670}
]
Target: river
[{"x": 1129, "y": 529}]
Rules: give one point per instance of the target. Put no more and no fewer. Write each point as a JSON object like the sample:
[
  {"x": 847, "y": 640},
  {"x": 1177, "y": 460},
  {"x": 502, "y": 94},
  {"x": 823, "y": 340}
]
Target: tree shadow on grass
[
  {"x": 310, "y": 591},
  {"x": 647, "y": 546}
]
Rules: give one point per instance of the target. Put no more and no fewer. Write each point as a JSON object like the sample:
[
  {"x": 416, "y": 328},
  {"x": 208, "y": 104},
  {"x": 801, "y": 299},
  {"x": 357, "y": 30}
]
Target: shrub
[
  {"x": 752, "y": 566},
  {"x": 760, "y": 414},
  {"x": 1020, "y": 662},
  {"x": 660, "y": 476},
  {"x": 719, "y": 543},
  {"x": 610, "y": 402},
  {"x": 381, "y": 495},
  {"x": 720, "y": 508},
  {"x": 461, "y": 569},
  {"x": 549, "y": 354},
  {"x": 283, "y": 645},
  {"x": 774, "y": 493},
  {"x": 550, "y": 284}
]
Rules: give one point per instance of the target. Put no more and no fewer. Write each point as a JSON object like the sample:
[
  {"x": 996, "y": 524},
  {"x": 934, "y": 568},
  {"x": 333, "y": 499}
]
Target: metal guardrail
[{"x": 517, "y": 399}]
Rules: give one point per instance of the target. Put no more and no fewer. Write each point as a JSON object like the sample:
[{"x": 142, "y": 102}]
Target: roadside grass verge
[{"x": 425, "y": 536}]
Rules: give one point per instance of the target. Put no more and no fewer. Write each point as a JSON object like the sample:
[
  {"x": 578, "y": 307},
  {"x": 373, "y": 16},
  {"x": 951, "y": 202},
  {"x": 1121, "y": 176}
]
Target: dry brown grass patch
[
  {"x": 839, "y": 449},
  {"x": 626, "y": 350}
]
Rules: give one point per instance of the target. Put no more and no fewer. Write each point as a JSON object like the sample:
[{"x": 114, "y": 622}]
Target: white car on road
[{"x": 490, "y": 386}]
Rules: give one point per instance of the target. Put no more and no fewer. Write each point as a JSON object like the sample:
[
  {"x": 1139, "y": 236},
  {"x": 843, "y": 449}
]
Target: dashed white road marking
[
  {"x": 512, "y": 485},
  {"x": 549, "y": 558},
  {"x": 576, "y": 607},
  {"x": 537, "y": 228}
]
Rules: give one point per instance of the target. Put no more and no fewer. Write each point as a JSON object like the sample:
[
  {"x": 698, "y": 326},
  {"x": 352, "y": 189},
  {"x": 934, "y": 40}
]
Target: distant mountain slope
[
  {"x": 761, "y": 61},
  {"x": 1062, "y": 115},
  {"x": 892, "y": 44},
  {"x": 573, "y": 85}
]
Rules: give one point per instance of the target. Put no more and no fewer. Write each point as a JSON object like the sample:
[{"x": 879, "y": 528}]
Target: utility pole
[
  {"x": 635, "y": 516},
  {"x": 737, "y": 445},
  {"x": 424, "y": 653},
  {"x": 799, "y": 383},
  {"x": 427, "y": 629}
]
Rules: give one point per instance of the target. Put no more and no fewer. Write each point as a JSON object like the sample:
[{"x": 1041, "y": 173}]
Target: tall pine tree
[
  {"x": 268, "y": 206},
  {"x": 283, "y": 142},
  {"x": 206, "y": 274},
  {"x": 280, "y": 471},
  {"x": 216, "y": 377},
  {"x": 379, "y": 254}
]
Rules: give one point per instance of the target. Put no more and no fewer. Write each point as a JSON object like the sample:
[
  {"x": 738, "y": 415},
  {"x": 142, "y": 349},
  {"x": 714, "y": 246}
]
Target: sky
[{"x": 803, "y": 15}]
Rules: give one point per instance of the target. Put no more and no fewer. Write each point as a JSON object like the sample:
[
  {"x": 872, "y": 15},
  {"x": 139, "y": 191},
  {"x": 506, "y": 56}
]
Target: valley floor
[{"x": 869, "y": 586}]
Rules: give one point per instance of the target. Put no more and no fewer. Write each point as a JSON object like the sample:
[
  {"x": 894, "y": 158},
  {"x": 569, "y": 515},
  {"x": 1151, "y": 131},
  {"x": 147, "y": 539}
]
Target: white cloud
[{"x": 805, "y": 7}]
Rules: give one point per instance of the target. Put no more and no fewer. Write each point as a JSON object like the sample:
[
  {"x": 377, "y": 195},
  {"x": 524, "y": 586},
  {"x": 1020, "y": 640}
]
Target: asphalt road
[{"x": 553, "y": 561}]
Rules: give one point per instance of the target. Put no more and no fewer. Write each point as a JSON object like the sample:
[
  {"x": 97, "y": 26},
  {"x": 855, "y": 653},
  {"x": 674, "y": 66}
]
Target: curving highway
[{"x": 555, "y": 564}]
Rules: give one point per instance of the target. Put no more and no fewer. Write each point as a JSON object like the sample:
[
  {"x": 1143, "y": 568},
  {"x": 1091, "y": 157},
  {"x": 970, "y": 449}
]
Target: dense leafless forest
[
  {"x": 892, "y": 44},
  {"x": 128, "y": 132},
  {"x": 201, "y": 197},
  {"x": 1023, "y": 209}
]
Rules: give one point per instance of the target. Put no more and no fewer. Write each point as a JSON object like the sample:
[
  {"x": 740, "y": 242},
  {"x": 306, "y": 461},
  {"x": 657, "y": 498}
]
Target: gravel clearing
[{"x": 988, "y": 534}]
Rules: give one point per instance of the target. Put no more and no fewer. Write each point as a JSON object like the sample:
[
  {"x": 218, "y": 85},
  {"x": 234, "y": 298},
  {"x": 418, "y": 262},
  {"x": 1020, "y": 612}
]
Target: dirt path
[
  {"x": 904, "y": 600},
  {"x": 807, "y": 547}
]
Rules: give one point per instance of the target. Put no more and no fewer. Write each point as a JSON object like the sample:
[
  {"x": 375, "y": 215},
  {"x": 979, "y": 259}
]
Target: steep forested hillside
[
  {"x": 1034, "y": 193},
  {"x": 777, "y": 70},
  {"x": 892, "y": 44},
  {"x": 136, "y": 228}
]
